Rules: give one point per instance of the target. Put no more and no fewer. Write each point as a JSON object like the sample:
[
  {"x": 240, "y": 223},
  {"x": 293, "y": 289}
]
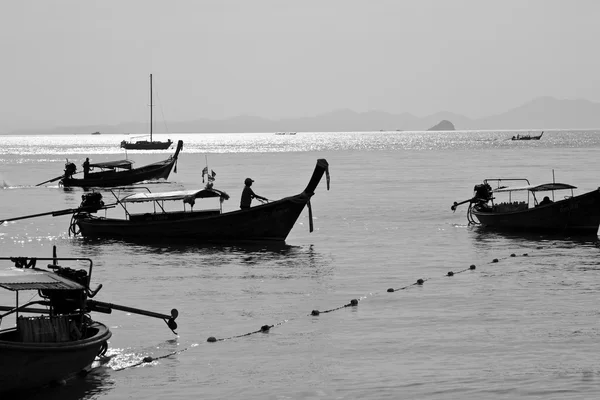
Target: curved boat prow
[
  {"x": 321, "y": 168},
  {"x": 179, "y": 147}
]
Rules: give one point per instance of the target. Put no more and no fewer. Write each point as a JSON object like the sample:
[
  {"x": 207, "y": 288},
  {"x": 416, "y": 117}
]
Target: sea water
[{"x": 523, "y": 323}]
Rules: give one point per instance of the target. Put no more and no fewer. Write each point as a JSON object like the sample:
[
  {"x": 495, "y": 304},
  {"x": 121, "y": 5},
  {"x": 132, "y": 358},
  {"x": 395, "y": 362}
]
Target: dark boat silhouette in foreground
[
  {"x": 119, "y": 173},
  {"x": 271, "y": 221},
  {"x": 54, "y": 337},
  {"x": 522, "y": 211}
]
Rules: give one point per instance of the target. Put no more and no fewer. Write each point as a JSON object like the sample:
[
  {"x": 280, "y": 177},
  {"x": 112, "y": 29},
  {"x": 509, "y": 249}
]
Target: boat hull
[
  {"x": 267, "y": 222},
  {"x": 122, "y": 178},
  {"x": 30, "y": 365},
  {"x": 578, "y": 214},
  {"x": 146, "y": 145},
  {"x": 159, "y": 170}
]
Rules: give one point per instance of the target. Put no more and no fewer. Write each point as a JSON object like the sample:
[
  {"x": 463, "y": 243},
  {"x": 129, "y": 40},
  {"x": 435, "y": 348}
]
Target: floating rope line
[
  {"x": 263, "y": 329},
  {"x": 267, "y": 328},
  {"x": 353, "y": 303}
]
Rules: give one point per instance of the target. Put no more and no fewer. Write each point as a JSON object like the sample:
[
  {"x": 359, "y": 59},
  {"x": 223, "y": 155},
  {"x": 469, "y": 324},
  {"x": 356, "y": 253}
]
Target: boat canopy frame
[
  {"x": 531, "y": 189},
  {"x": 158, "y": 198}
]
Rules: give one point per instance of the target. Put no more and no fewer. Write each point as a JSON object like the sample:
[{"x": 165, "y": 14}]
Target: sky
[{"x": 73, "y": 62}]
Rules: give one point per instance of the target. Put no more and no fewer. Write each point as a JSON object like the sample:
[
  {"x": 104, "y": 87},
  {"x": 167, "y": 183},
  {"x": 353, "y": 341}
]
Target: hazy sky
[{"x": 88, "y": 62}]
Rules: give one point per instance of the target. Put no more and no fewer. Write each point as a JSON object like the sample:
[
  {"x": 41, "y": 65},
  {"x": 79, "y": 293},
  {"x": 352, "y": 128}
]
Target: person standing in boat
[
  {"x": 86, "y": 167},
  {"x": 545, "y": 201},
  {"x": 248, "y": 194}
]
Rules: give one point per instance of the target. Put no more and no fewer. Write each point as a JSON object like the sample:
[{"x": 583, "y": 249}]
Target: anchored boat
[
  {"x": 522, "y": 209},
  {"x": 147, "y": 144},
  {"x": 54, "y": 336},
  {"x": 271, "y": 221}
]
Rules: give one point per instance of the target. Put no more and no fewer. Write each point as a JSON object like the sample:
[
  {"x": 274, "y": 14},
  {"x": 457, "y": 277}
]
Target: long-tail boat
[
  {"x": 520, "y": 207},
  {"x": 54, "y": 337},
  {"x": 527, "y": 137},
  {"x": 271, "y": 221},
  {"x": 118, "y": 173}
]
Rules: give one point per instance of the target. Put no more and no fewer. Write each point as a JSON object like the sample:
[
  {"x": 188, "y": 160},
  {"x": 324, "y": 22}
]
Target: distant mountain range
[{"x": 541, "y": 113}]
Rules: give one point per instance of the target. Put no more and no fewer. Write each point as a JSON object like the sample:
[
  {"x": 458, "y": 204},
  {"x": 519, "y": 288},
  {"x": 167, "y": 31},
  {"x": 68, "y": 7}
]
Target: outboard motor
[
  {"x": 70, "y": 169},
  {"x": 91, "y": 202},
  {"x": 483, "y": 192}
]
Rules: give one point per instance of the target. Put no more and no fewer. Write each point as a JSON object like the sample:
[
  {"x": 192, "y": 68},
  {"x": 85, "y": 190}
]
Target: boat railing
[
  {"x": 126, "y": 188},
  {"x": 499, "y": 180}
]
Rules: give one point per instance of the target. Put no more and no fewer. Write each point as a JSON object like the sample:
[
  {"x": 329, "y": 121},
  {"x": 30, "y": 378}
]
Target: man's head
[{"x": 248, "y": 182}]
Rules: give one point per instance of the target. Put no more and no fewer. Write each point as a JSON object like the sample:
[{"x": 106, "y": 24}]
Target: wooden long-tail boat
[
  {"x": 522, "y": 210},
  {"x": 120, "y": 173},
  {"x": 271, "y": 221},
  {"x": 54, "y": 337},
  {"x": 528, "y": 137}
]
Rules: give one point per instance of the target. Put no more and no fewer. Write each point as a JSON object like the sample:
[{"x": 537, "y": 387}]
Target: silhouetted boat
[
  {"x": 57, "y": 338},
  {"x": 118, "y": 173},
  {"x": 95, "y": 133},
  {"x": 573, "y": 214},
  {"x": 527, "y": 137},
  {"x": 147, "y": 144},
  {"x": 271, "y": 221}
]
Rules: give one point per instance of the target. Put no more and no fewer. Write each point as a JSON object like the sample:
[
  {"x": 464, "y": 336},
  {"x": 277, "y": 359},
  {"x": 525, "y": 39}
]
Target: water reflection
[
  {"x": 529, "y": 239},
  {"x": 96, "y": 382}
]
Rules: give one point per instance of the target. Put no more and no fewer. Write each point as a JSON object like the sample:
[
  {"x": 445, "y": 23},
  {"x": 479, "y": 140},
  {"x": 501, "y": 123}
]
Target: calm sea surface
[{"x": 525, "y": 326}]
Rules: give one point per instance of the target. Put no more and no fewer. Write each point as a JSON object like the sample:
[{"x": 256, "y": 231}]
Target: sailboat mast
[{"x": 151, "y": 107}]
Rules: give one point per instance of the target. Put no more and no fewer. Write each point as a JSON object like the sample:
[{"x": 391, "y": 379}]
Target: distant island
[
  {"x": 444, "y": 125},
  {"x": 542, "y": 113}
]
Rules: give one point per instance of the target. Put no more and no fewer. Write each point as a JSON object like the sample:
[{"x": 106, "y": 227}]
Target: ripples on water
[
  {"x": 303, "y": 141},
  {"x": 525, "y": 326}
]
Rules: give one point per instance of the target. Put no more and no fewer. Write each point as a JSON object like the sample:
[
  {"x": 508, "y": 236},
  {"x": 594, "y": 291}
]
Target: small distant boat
[
  {"x": 268, "y": 222},
  {"x": 523, "y": 211},
  {"x": 54, "y": 337},
  {"x": 527, "y": 137},
  {"x": 147, "y": 144},
  {"x": 118, "y": 173},
  {"x": 95, "y": 133},
  {"x": 285, "y": 133}
]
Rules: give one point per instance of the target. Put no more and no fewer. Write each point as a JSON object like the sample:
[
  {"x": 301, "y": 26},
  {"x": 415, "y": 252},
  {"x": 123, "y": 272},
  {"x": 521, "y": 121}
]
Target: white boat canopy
[
  {"x": 535, "y": 188},
  {"x": 175, "y": 195}
]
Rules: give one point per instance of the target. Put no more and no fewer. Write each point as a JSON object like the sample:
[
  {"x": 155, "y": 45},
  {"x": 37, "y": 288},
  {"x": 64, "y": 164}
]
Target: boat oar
[
  {"x": 51, "y": 180},
  {"x": 54, "y": 179},
  {"x": 107, "y": 308},
  {"x": 58, "y": 212},
  {"x": 453, "y": 208}
]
